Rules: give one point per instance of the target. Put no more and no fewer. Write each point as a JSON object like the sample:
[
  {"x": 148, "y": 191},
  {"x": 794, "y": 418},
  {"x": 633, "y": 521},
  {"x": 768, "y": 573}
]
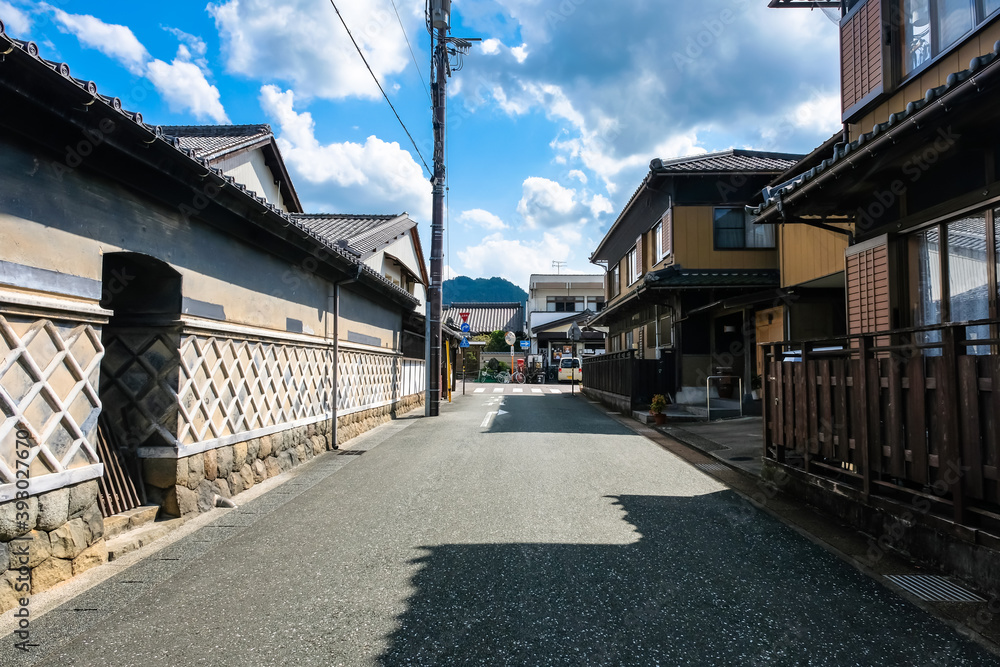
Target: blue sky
[{"x": 552, "y": 120}]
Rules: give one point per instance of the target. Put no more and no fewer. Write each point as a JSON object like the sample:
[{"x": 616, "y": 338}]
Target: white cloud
[
  {"x": 491, "y": 46},
  {"x": 195, "y": 44},
  {"x": 600, "y": 204},
  {"x": 514, "y": 259},
  {"x": 182, "y": 83},
  {"x": 184, "y": 87},
  {"x": 545, "y": 203},
  {"x": 615, "y": 109},
  {"x": 376, "y": 175},
  {"x": 520, "y": 53},
  {"x": 481, "y": 218},
  {"x": 303, "y": 43},
  {"x": 579, "y": 175},
  {"x": 15, "y": 21},
  {"x": 115, "y": 41}
]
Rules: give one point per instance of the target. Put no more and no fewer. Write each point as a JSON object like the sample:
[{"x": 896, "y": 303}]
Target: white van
[{"x": 570, "y": 368}]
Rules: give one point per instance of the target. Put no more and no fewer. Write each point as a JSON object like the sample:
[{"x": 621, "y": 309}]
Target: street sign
[
  {"x": 510, "y": 338},
  {"x": 575, "y": 333},
  {"x": 464, "y": 316},
  {"x": 525, "y": 344},
  {"x": 464, "y": 343},
  {"x": 466, "y": 328}
]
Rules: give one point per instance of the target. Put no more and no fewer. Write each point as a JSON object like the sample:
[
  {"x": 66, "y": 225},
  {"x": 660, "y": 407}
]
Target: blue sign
[
  {"x": 525, "y": 344},
  {"x": 466, "y": 328},
  {"x": 464, "y": 343}
]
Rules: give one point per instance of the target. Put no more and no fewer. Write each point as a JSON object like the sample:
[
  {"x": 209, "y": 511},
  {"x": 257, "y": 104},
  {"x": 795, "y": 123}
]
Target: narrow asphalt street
[{"x": 521, "y": 528}]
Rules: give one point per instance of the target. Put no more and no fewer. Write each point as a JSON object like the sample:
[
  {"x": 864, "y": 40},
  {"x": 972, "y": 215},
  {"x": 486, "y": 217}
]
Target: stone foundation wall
[
  {"x": 47, "y": 539},
  {"x": 189, "y": 485},
  {"x": 352, "y": 425}
]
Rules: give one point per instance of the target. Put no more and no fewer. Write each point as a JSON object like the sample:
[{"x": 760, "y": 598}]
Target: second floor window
[
  {"x": 632, "y": 266},
  {"x": 929, "y": 27},
  {"x": 658, "y": 241},
  {"x": 564, "y": 304},
  {"x": 733, "y": 229}
]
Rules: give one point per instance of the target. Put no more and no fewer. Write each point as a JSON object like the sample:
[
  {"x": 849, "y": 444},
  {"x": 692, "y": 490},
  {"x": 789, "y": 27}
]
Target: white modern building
[{"x": 555, "y": 303}]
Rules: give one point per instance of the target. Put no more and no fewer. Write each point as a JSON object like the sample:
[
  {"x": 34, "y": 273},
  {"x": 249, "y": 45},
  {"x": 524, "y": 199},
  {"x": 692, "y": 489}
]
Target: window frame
[
  {"x": 632, "y": 274},
  {"x": 901, "y": 77},
  {"x": 747, "y": 222}
]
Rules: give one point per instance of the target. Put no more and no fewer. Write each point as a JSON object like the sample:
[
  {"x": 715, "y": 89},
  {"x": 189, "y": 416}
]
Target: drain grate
[
  {"x": 711, "y": 467},
  {"x": 932, "y": 588},
  {"x": 351, "y": 452}
]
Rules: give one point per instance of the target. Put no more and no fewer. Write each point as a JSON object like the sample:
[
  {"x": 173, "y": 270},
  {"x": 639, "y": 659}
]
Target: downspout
[{"x": 335, "y": 296}]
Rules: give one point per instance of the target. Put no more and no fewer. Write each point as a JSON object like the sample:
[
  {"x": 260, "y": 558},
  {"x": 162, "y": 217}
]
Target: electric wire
[
  {"x": 412, "y": 56},
  {"x": 402, "y": 124}
]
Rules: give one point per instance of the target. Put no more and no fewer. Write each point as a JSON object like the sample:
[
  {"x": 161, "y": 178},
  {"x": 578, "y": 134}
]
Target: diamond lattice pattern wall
[{"x": 48, "y": 387}]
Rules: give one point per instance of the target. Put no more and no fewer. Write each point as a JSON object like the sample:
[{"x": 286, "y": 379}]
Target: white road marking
[
  {"x": 486, "y": 420},
  {"x": 498, "y": 391},
  {"x": 555, "y": 391},
  {"x": 518, "y": 391},
  {"x": 479, "y": 391},
  {"x": 536, "y": 391}
]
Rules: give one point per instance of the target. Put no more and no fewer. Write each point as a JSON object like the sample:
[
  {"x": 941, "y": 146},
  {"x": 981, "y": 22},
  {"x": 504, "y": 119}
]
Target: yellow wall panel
[{"x": 808, "y": 253}]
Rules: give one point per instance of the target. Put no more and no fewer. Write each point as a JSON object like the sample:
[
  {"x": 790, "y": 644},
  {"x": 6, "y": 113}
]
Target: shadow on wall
[{"x": 711, "y": 581}]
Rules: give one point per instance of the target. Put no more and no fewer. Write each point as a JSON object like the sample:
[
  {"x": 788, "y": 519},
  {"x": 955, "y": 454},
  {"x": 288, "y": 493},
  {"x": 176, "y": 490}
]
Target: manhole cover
[
  {"x": 351, "y": 452},
  {"x": 741, "y": 458},
  {"x": 933, "y": 588}
]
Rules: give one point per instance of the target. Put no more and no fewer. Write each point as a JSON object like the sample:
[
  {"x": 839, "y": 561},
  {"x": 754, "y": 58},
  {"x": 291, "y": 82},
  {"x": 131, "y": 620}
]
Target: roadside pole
[{"x": 574, "y": 335}]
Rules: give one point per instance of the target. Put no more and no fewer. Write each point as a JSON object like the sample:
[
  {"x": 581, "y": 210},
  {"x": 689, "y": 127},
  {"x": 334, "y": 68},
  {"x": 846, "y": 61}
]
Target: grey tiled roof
[
  {"x": 676, "y": 277},
  {"x": 487, "y": 317},
  {"x": 733, "y": 159},
  {"x": 773, "y": 195},
  {"x": 60, "y": 71},
  {"x": 364, "y": 234},
  {"x": 214, "y": 141}
]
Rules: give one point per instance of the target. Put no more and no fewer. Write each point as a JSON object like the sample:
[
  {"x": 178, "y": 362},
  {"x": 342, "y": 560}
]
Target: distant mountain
[{"x": 483, "y": 290}]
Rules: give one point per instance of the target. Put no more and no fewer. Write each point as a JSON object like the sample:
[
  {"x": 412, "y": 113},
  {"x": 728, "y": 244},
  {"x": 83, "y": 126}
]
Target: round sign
[{"x": 510, "y": 338}]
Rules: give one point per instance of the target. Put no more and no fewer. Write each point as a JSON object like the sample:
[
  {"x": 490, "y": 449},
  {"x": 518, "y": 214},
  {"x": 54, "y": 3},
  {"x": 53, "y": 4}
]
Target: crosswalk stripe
[
  {"x": 536, "y": 391},
  {"x": 518, "y": 391},
  {"x": 498, "y": 391},
  {"x": 479, "y": 391},
  {"x": 555, "y": 391}
]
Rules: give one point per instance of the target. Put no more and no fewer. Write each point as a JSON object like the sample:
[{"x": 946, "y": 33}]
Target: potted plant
[
  {"x": 656, "y": 408},
  {"x": 756, "y": 382}
]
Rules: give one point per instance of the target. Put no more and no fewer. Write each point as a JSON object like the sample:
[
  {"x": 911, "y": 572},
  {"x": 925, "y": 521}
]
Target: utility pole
[{"x": 440, "y": 23}]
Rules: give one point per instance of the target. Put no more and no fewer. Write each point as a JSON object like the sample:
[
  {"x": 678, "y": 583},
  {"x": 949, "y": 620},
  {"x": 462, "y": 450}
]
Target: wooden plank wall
[{"x": 861, "y": 54}]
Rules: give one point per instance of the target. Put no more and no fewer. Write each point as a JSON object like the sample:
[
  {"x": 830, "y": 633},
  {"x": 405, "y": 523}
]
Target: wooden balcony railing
[{"x": 910, "y": 413}]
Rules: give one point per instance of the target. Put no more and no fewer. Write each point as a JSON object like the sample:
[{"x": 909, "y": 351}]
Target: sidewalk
[{"x": 736, "y": 442}]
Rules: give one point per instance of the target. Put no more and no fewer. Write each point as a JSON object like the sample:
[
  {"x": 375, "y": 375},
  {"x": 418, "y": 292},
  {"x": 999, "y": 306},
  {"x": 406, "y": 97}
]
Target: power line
[
  {"x": 360, "y": 53},
  {"x": 412, "y": 56}
]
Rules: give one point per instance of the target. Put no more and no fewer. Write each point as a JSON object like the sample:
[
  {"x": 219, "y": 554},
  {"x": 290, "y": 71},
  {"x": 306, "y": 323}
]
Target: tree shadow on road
[{"x": 709, "y": 581}]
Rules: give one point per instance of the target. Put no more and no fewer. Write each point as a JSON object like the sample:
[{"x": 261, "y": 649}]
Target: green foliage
[
  {"x": 482, "y": 290},
  {"x": 496, "y": 343},
  {"x": 658, "y": 404}
]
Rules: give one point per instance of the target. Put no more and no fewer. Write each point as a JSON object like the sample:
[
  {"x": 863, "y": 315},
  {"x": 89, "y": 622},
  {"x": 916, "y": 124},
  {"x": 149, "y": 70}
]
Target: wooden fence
[
  {"x": 623, "y": 374},
  {"x": 912, "y": 414}
]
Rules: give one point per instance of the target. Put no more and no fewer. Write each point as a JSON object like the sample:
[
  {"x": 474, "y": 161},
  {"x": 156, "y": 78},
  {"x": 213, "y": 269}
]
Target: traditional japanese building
[
  {"x": 901, "y": 412},
  {"x": 169, "y": 332}
]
